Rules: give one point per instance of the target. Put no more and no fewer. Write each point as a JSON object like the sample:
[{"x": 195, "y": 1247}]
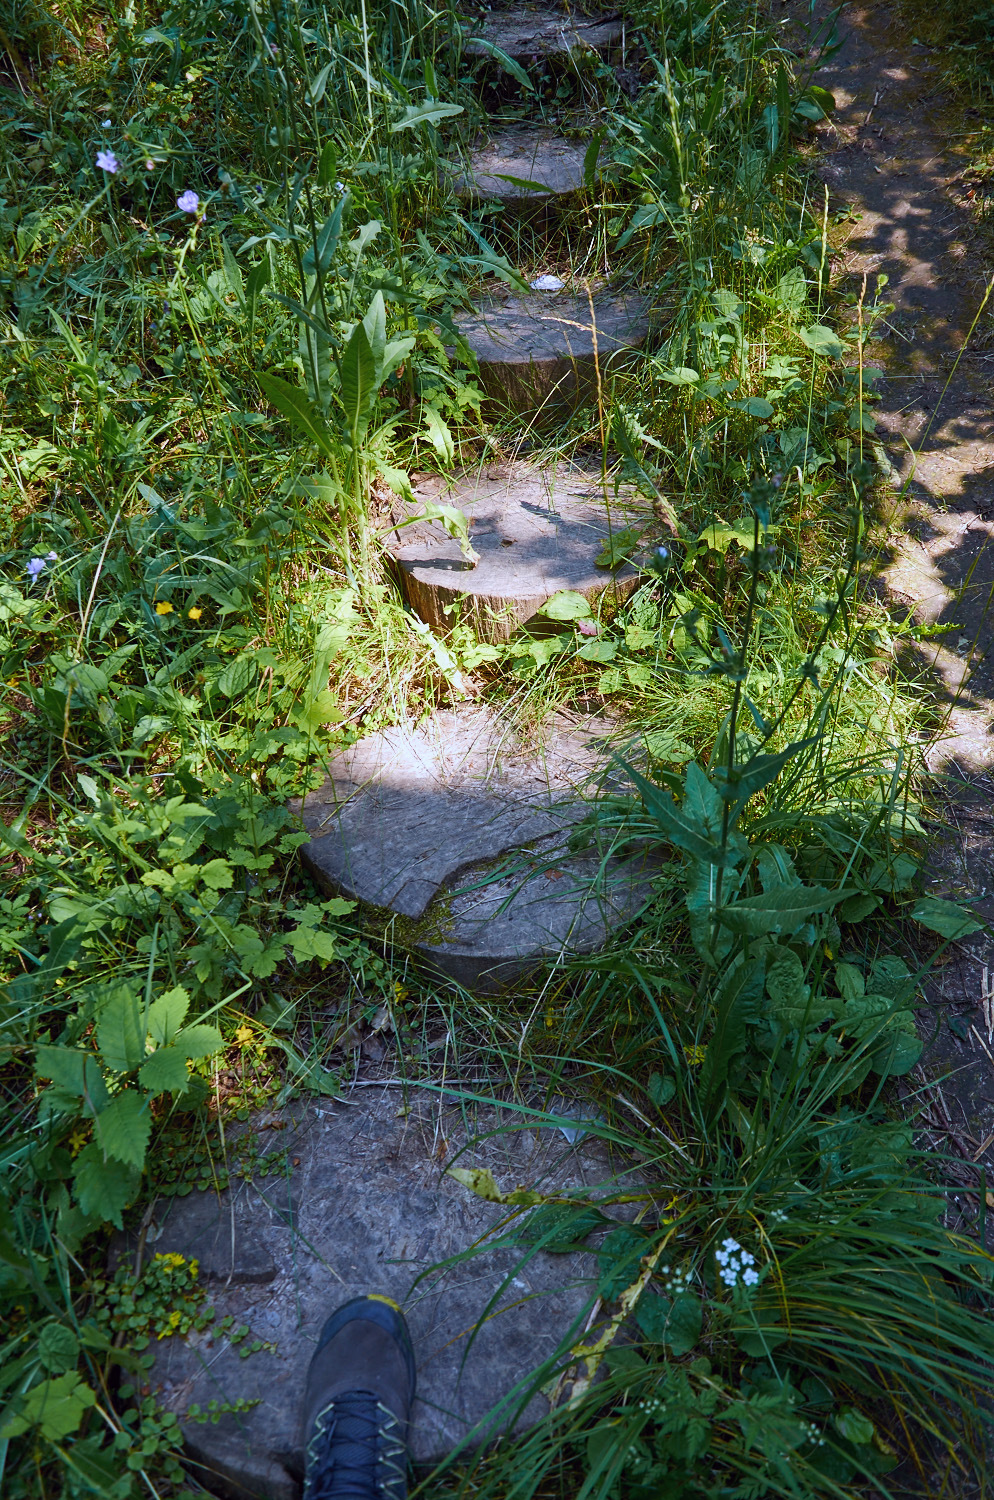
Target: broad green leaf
[
  {"x": 58, "y": 1348},
  {"x": 662, "y": 1088},
  {"x": 897, "y": 1052},
  {"x": 55, "y": 1406},
  {"x": 602, "y": 650},
  {"x": 217, "y": 875},
  {"x": 854, "y": 1426},
  {"x": 455, "y": 523},
  {"x": 165, "y": 1072},
  {"x": 123, "y": 1128},
  {"x": 566, "y": 605},
  {"x": 821, "y": 340},
  {"x": 293, "y": 404},
  {"x": 238, "y": 676},
  {"x": 757, "y": 772},
  {"x": 199, "y": 1041},
  {"x": 167, "y": 1014},
  {"x": 76, "y": 1072},
  {"x": 822, "y": 97},
  {"x": 858, "y": 907},
  {"x": 753, "y": 406},
  {"x": 781, "y": 910},
  {"x": 104, "y": 1188},
  {"x": 359, "y": 386},
  {"x": 619, "y": 1260},
  {"x": 120, "y": 1033},
  {"x": 375, "y": 324},
  {"x": 850, "y": 981},
  {"x": 310, "y": 942},
  {"x": 425, "y": 114},
  {"x": 660, "y": 745},
  {"x": 947, "y": 918},
  {"x": 481, "y": 1181},
  {"x": 438, "y": 433},
  {"x": 680, "y": 375},
  {"x": 675, "y": 1324},
  {"x": 319, "y": 709}
]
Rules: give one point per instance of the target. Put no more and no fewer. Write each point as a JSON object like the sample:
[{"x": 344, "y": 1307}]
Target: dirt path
[{"x": 891, "y": 153}]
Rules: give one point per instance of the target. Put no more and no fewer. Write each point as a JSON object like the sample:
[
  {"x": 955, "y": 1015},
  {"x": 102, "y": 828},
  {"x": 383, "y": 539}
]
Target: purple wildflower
[
  {"x": 188, "y": 202},
  {"x": 35, "y": 567},
  {"x": 107, "y": 161}
]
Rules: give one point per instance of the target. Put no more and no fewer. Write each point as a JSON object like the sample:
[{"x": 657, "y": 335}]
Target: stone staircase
[{"x": 455, "y": 829}]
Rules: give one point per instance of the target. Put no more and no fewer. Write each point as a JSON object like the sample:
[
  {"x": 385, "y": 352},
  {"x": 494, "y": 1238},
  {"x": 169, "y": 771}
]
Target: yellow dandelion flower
[
  {"x": 163, "y": 608},
  {"x": 194, "y": 614},
  {"x": 695, "y": 1055}
]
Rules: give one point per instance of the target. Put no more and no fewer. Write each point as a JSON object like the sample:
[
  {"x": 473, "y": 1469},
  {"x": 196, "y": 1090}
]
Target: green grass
[{"x": 201, "y": 414}]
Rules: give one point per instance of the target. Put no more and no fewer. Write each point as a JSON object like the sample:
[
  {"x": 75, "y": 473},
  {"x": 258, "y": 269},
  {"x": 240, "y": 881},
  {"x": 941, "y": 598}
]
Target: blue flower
[
  {"x": 188, "y": 202},
  {"x": 36, "y": 567},
  {"x": 107, "y": 161}
]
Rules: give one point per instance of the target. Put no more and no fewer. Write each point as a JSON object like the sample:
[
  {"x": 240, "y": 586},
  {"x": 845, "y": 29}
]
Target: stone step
[
  {"x": 539, "y": 354},
  {"x": 527, "y": 33},
  {"x": 528, "y": 155},
  {"x": 463, "y": 831},
  {"x": 537, "y": 531},
  {"x": 360, "y": 1203}
]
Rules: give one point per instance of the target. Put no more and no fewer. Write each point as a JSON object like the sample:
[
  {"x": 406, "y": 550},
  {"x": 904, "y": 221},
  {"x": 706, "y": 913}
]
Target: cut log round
[
  {"x": 542, "y": 31},
  {"x": 541, "y": 354},
  {"x": 501, "y": 168},
  {"x": 537, "y": 531}
]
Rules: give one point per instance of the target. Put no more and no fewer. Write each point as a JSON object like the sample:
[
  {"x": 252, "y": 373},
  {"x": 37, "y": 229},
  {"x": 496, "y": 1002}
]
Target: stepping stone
[
  {"x": 538, "y": 354},
  {"x": 463, "y": 832},
  {"x": 537, "y": 531},
  {"x": 529, "y": 33},
  {"x": 533, "y": 155},
  {"x": 363, "y": 1205}
]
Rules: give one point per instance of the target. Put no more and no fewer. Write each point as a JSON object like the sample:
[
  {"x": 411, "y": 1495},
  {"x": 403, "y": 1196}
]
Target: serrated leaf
[
  {"x": 199, "y": 1041},
  {"x": 120, "y": 1033},
  {"x": 780, "y": 910},
  {"x": 166, "y": 1015},
  {"x": 425, "y": 114},
  {"x": 566, "y": 605},
  {"x": 123, "y": 1128},
  {"x": 165, "y": 1072},
  {"x": 947, "y": 918},
  {"x": 75, "y": 1071},
  {"x": 104, "y": 1188},
  {"x": 217, "y": 875}
]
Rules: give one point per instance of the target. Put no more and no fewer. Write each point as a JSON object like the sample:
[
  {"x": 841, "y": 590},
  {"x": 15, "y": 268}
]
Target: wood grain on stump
[
  {"x": 541, "y": 353},
  {"x": 537, "y": 531}
]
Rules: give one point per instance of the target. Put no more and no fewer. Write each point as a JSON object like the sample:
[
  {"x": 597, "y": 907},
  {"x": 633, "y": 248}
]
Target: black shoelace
[{"x": 354, "y": 1453}]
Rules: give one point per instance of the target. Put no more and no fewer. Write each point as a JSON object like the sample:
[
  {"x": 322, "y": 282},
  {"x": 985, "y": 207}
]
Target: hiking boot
[{"x": 357, "y": 1404}]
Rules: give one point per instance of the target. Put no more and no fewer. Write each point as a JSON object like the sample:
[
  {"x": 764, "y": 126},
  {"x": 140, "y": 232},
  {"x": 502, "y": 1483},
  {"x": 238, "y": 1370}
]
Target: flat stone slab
[
  {"x": 531, "y": 32},
  {"x": 464, "y": 832},
  {"x": 541, "y": 352},
  {"x": 364, "y": 1205},
  {"x": 537, "y": 531},
  {"x": 504, "y": 167}
]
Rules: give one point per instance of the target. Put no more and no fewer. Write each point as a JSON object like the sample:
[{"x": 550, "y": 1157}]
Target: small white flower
[
  {"x": 750, "y": 1278},
  {"x": 106, "y": 125}
]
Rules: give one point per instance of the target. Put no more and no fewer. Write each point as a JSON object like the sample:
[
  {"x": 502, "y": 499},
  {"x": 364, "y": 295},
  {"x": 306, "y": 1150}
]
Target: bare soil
[{"x": 891, "y": 153}]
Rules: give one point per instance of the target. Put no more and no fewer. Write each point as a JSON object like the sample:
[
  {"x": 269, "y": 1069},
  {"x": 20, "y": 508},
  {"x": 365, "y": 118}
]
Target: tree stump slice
[
  {"x": 532, "y": 155},
  {"x": 526, "y": 33},
  {"x": 464, "y": 832},
  {"x": 537, "y": 531},
  {"x": 540, "y": 354}
]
